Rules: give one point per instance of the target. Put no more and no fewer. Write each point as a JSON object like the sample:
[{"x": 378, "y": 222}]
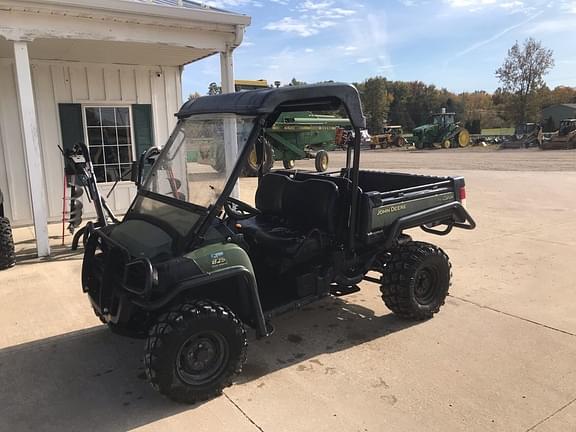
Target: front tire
[
  {"x": 194, "y": 350},
  {"x": 7, "y": 251},
  {"x": 415, "y": 280}
]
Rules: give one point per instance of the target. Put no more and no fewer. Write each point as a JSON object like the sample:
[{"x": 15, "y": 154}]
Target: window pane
[
  {"x": 124, "y": 135},
  {"x": 109, "y": 134},
  {"x": 96, "y": 155},
  {"x": 125, "y": 154},
  {"x": 111, "y": 155},
  {"x": 112, "y": 173},
  {"x": 93, "y": 116},
  {"x": 108, "y": 117},
  {"x": 99, "y": 173},
  {"x": 122, "y": 117},
  {"x": 125, "y": 171},
  {"x": 110, "y": 142},
  {"x": 94, "y": 136}
]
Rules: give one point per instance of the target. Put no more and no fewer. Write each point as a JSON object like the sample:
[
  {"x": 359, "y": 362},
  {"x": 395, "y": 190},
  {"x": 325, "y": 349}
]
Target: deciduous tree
[{"x": 522, "y": 76}]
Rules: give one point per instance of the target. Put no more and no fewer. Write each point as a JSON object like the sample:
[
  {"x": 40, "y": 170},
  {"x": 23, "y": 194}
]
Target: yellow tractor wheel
[
  {"x": 463, "y": 138},
  {"x": 253, "y": 159},
  {"x": 446, "y": 144}
]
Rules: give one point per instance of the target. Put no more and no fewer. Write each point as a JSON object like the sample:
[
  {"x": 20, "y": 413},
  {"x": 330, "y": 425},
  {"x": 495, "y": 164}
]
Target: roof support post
[
  {"x": 230, "y": 127},
  {"x": 29, "y": 124}
]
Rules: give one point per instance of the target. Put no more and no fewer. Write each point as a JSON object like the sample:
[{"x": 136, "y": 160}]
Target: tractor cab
[
  {"x": 525, "y": 129},
  {"x": 444, "y": 119}
]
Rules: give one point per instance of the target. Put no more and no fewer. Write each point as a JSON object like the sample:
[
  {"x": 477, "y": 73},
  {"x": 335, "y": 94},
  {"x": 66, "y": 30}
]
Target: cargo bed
[{"x": 391, "y": 202}]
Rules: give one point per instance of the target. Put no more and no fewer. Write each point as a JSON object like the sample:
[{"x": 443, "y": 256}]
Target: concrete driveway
[{"x": 501, "y": 355}]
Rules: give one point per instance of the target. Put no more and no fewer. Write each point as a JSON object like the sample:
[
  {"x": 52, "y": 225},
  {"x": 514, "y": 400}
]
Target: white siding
[{"x": 84, "y": 83}]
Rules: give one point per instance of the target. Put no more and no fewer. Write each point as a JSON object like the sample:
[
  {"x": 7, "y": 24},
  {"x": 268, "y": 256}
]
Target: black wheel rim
[
  {"x": 426, "y": 286},
  {"x": 202, "y": 358}
]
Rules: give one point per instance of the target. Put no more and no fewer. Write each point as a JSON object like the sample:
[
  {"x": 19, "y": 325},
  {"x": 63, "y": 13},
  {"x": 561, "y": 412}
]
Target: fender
[{"x": 229, "y": 273}]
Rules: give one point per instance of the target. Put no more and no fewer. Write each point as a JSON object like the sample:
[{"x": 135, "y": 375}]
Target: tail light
[{"x": 462, "y": 195}]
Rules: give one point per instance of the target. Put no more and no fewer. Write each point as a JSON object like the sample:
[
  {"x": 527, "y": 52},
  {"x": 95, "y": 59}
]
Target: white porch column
[
  {"x": 30, "y": 135},
  {"x": 230, "y": 131}
]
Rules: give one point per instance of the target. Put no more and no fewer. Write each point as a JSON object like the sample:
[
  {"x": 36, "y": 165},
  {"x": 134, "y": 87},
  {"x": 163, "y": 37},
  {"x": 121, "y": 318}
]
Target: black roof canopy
[{"x": 316, "y": 97}]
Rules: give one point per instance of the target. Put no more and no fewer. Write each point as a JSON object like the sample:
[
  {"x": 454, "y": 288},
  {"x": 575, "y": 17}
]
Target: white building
[{"x": 103, "y": 72}]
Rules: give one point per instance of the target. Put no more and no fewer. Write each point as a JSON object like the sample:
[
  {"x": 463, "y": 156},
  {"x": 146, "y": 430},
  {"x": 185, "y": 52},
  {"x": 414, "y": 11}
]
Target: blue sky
[{"x": 457, "y": 44}]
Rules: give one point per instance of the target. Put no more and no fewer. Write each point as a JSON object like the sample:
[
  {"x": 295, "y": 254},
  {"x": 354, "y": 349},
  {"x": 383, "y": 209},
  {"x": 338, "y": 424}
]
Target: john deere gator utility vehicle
[
  {"x": 191, "y": 266},
  {"x": 443, "y": 132}
]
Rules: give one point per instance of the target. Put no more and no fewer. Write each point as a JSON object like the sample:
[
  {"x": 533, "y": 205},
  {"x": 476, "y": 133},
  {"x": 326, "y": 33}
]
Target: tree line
[
  {"x": 411, "y": 104},
  {"x": 520, "y": 98}
]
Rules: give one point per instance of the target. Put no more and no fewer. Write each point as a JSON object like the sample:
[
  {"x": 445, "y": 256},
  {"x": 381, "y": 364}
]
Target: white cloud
[
  {"x": 364, "y": 60},
  {"x": 478, "y": 5},
  {"x": 312, "y": 18},
  {"x": 300, "y": 27},
  {"x": 226, "y": 4},
  {"x": 309, "y": 50},
  {"x": 568, "y": 6}
]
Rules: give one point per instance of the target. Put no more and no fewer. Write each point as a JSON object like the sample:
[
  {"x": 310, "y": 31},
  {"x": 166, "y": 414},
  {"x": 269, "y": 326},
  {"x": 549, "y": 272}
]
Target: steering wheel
[{"x": 239, "y": 210}]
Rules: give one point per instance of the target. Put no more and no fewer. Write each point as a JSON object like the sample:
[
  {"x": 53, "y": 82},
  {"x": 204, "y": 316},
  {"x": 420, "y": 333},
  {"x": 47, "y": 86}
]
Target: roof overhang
[{"x": 86, "y": 30}]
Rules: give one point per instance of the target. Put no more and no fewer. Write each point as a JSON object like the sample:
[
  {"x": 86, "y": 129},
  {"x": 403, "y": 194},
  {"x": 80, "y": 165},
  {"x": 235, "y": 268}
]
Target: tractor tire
[
  {"x": 7, "y": 251},
  {"x": 321, "y": 161},
  {"x": 415, "y": 280},
  {"x": 446, "y": 144},
  {"x": 463, "y": 138},
  {"x": 399, "y": 141},
  {"x": 251, "y": 165},
  {"x": 289, "y": 164},
  {"x": 194, "y": 350},
  {"x": 419, "y": 144}
]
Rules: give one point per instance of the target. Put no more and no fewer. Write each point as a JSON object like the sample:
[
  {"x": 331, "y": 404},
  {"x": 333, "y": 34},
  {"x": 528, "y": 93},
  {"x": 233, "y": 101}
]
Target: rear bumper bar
[{"x": 451, "y": 215}]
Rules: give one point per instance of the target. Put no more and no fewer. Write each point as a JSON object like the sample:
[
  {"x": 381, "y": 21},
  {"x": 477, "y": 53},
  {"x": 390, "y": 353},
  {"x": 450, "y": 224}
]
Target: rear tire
[
  {"x": 289, "y": 164},
  {"x": 463, "y": 138},
  {"x": 194, "y": 350},
  {"x": 415, "y": 280},
  {"x": 7, "y": 251},
  {"x": 321, "y": 161},
  {"x": 251, "y": 166}
]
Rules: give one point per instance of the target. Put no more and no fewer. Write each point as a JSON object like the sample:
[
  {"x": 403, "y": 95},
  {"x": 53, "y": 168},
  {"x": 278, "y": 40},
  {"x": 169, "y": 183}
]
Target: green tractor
[{"x": 444, "y": 132}]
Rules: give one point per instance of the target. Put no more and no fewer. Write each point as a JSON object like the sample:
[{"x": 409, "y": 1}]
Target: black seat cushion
[
  {"x": 270, "y": 193},
  {"x": 311, "y": 204},
  {"x": 301, "y": 225},
  {"x": 276, "y": 236}
]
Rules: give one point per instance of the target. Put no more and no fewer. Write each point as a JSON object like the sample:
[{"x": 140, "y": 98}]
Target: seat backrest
[
  {"x": 270, "y": 193},
  {"x": 311, "y": 204}
]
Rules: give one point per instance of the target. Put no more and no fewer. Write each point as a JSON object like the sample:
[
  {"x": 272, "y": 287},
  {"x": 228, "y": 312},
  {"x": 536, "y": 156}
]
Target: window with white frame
[{"x": 109, "y": 137}]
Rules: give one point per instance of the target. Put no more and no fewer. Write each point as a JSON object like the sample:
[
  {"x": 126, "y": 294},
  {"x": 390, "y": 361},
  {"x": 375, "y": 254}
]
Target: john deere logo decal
[{"x": 218, "y": 259}]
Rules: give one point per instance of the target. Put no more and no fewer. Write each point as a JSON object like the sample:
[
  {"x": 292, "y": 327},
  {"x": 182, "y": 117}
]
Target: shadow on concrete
[
  {"x": 94, "y": 380},
  {"x": 57, "y": 253}
]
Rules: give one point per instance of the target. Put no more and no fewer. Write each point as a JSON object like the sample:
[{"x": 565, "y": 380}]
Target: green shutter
[
  {"x": 71, "y": 125},
  {"x": 143, "y": 133}
]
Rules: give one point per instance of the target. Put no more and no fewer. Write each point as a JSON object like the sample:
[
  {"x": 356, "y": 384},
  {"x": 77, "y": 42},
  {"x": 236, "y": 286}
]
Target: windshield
[{"x": 193, "y": 166}]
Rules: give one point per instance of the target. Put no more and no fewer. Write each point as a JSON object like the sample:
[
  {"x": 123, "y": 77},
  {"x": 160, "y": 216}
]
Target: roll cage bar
[{"x": 267, "y": 105}]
